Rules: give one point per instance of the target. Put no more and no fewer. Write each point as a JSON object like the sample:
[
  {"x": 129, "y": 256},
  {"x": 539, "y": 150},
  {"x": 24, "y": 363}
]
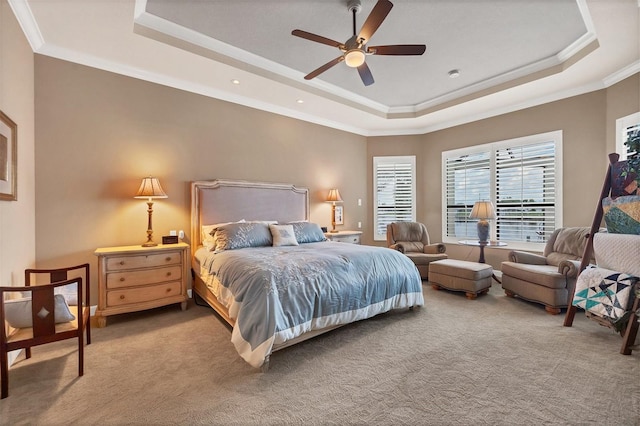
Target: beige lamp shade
[
  {"x": 334, "y": 196},
  {"x": 483, "y": 210},
  {"x": 150, "y": 188}
]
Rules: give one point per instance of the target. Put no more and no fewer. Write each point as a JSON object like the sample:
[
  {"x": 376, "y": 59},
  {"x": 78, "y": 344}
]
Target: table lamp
[
  {"x": 150, "y": 188},
  {"x": 333, "y": 198},
  {"x": 483, "y": 210}
]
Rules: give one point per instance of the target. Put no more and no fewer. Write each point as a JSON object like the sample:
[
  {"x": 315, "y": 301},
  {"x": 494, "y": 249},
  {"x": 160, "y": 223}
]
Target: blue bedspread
[{"x": 280, "y": 293}]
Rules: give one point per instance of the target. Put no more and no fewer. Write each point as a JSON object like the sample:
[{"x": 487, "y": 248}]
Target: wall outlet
[
  {"x": 173, "y": 232},
  {"x": 359, "y": 225},
  {"x": 360, "y": 201},
  {"x": 181, "y": 234}
]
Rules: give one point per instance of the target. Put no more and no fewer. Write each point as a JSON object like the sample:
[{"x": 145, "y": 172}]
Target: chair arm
[
  {"x": 526, "y": 257},
  {"x": 397, "y": 246},
  {"x": 434, "y": 248},
  {"x": 569, "y": 268}
]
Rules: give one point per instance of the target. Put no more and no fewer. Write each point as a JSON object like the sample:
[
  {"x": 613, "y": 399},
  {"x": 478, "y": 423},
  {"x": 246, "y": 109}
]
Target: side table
[{"x": 482, "y": 245}]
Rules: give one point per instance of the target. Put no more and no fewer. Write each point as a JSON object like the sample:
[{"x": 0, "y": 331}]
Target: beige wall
[
  {"x": 99, "y": 134},
  {"x": 17, "y": 218},
  {"x": 587, "y": 122}
]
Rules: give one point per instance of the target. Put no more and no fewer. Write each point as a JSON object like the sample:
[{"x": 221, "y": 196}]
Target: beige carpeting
[{"x": 494, "y": 360}]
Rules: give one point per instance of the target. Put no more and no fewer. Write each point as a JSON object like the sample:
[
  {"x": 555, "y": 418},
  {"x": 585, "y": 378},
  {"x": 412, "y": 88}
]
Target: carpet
[{"x": 490, "y": 361}]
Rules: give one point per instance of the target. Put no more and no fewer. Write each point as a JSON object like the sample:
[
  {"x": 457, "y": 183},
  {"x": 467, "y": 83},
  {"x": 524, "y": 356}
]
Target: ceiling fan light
[{"x": 354, "y": 58}]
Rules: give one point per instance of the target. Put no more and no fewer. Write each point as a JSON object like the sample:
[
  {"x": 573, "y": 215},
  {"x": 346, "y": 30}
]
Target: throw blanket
[
  {"x": 280, "y": 293},
  {"x": 605, "y": 293}
]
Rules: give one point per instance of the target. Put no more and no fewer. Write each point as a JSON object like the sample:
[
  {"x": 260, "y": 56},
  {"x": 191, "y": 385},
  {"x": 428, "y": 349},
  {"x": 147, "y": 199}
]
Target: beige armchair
[
  {"x": 412, "y": 239},
  {"x": 549, "y": 278}
]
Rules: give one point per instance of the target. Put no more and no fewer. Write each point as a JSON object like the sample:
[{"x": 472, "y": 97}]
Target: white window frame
[
  {"x": 411, "y": 159},
  {"x": 622, "y": 126},
  {"x": 491, "y": 148}
]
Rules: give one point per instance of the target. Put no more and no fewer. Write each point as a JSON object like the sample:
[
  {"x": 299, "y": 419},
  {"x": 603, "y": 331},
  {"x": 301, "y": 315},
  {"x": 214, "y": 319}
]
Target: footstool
[{"x": 459, "y": 275}]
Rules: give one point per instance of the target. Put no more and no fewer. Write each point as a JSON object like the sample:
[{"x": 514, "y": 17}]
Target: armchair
[
  {"x": 548, "y": 278},
  {"x": 412, "y": 239}
]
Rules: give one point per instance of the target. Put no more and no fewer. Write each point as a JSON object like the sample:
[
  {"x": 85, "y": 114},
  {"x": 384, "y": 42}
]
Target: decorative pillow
[
  {"x": 18, "y": 311},
  {"x": 622, "y": 214},
  {"x": 307, "y": 232},
  {"x": 209, "y": 230},
  {"x": 283, "y": 235},
  {"x": 240, "y": 235},
  {"x": 604, "y": 292}
]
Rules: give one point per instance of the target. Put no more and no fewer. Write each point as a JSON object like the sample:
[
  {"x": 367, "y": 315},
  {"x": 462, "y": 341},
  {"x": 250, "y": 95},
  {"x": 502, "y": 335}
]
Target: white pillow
[
  {"x": 283, "y": 235},
  {"x": 207, "y": 234},
  {"x": 17, "y": 312}
]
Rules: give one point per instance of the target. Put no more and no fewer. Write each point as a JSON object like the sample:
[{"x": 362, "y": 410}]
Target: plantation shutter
[
  {"x": 526, "y": 192},
  {"x": 394, "y": 192},
  {"x": 467, "y": 180}
]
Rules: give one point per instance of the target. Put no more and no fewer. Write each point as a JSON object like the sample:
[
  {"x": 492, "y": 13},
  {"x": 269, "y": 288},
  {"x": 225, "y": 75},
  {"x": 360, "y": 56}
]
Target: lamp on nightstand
[
  {"x": 483, "y": 210},
  {"x": 333, "y": 198},
  {"x": 150, "y": 188}
]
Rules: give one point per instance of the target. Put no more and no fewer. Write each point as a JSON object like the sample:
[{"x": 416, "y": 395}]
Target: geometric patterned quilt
[{"x": 605, "y": 293}]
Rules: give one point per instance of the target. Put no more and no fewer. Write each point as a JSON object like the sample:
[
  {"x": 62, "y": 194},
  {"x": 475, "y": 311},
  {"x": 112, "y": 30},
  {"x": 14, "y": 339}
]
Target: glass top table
[{"x": 482, "y": 245}]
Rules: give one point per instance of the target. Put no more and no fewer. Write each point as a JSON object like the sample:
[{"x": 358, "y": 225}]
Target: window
[
  {"x": 523, "y": 179},
  {"x": 394, "y": 192},
  {"x": 625, "y": 127}
]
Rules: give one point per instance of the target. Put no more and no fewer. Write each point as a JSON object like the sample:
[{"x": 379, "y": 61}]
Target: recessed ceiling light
[
  {"x": 454, "y": 73},
  {"x": 235, "y": 81},
  {"x": 300, "y": 101}
]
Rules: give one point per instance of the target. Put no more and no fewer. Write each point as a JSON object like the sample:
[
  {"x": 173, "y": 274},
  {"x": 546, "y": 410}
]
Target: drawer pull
[
  {"x": 122, "y": 297},
  {"x": 122, "y": 262},
  {"x": 121, "y": 279},
  {"x": 168, "y": 274},
  {"x": 168, "y": 259},
  {"x": 168, "y": 290}
]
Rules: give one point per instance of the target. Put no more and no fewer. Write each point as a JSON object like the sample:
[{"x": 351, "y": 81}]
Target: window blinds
[{"x": 394, "y": 192}]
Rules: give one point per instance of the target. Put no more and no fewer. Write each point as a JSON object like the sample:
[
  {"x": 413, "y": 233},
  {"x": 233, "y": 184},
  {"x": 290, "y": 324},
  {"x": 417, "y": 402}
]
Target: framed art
[
  {"x": 339, "y": 215},
  {"x": 8, "y": 158}
]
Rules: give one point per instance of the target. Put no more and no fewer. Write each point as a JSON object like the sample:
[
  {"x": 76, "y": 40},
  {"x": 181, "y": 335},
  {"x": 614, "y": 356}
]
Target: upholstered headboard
[{"x": 220, "y": 200}]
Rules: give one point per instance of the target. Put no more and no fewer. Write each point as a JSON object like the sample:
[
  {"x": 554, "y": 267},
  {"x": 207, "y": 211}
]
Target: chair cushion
[
  {"x": 424, "y": 259},
  {"x": 544, "y": 275},
  {"x": 18, "y": 311},
  {"x": 569, "y": 244},
  {"x": 411, "y": 246}
]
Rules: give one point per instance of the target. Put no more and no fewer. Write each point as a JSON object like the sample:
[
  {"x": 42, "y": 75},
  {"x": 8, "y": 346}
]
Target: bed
[{"x": 271, "y": 274}]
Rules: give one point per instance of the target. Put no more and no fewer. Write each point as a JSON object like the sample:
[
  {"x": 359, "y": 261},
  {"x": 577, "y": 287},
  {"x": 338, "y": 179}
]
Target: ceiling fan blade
[
  {"x": 365, "y": 74},
  {"x": 374, "y": 20},
  {"x": 398, "y": 49},
  {"x": 323, "y": 68},
  {"x": 316, "y": 38}
]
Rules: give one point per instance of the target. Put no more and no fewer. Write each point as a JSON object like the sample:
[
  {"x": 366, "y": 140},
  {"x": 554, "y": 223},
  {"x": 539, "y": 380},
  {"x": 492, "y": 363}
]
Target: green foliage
[{"x": 633, "y": 143}]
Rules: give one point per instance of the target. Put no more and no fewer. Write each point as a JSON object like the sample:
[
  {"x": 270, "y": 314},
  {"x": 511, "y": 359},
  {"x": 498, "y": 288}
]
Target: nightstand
[
  {"x": 134, "y": 278},
  {"x": 352, "y": 237}
]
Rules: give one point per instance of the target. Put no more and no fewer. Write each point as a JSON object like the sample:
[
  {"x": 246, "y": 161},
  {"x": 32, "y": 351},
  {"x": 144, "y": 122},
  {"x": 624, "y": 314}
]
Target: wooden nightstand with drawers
[
  {"x": 134, "y": 278},
  {"x": 352, "y": 237}
]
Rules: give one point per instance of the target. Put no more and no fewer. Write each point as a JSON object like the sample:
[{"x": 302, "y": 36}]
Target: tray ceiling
[{"x": 509, "y": 54}]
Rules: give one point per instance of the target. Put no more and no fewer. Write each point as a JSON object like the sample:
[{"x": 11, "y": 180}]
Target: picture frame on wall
[
  {"x": 339, "y": 215},
  {"x": 8, "y": 158}
]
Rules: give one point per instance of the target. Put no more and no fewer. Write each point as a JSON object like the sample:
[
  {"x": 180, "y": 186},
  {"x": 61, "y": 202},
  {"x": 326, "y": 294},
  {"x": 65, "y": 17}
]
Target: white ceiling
[{"x": 511, "y": 54}]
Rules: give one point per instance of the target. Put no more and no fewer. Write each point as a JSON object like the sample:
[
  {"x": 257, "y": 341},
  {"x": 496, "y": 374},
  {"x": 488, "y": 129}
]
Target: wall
[
  {"x": 99, "y": 134},
  {"x": 588, "y": 125},
  {"x": 17, "y": 218},
  {"x": 623, "y": 99}
]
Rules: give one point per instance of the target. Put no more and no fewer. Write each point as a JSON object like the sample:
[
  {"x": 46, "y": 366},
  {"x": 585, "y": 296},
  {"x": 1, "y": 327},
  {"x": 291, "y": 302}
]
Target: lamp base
[
  {"x": 483, "y": 231},
  {"x": 149, "y": 244}
]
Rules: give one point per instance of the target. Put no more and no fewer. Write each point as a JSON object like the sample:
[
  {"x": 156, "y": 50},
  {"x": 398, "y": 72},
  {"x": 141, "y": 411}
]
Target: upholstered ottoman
[{"x": 459, "y": 275}]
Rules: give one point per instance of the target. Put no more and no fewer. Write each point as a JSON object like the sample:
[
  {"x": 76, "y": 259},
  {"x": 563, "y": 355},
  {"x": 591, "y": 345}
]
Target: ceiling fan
[{"x": 355, "y": 49}]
